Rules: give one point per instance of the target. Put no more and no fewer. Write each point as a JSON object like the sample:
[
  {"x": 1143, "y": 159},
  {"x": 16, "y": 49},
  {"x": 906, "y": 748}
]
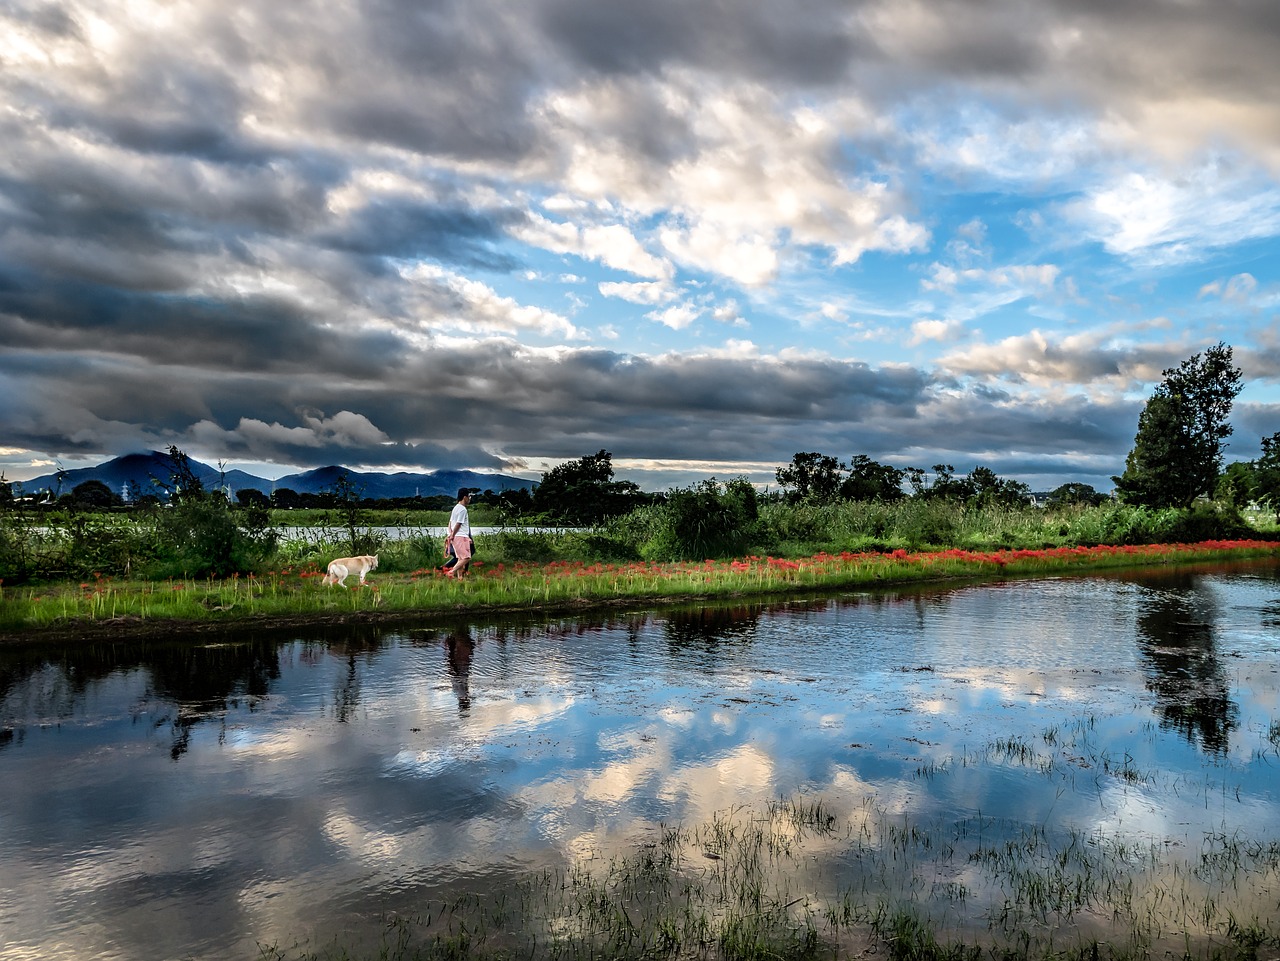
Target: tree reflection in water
[{"x": 1177, "y": 639}]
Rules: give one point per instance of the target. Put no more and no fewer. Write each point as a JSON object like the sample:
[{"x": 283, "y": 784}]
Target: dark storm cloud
[
  {"x": 799, "y": 42},
  {"x": 230, "y": 335},
  {"x": 409, "y": 229},
  {"x": 454, "y": 407},
  {"x": 448, "y": 78}
]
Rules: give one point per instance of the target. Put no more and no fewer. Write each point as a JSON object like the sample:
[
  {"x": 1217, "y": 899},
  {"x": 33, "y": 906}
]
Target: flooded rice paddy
[{"x": 1075, "y": 760}]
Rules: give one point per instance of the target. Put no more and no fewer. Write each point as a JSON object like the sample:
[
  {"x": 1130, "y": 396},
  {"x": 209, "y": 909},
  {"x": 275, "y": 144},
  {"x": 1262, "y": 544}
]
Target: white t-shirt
[{"x": 460, "y": 517}]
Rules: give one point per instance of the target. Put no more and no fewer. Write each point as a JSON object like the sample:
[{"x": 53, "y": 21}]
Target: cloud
[
  {"x": 213, "y": 221},
  {"x": 441, "y": 299},
  {"x": 1024, "y": 279},
  {"x": 1239, "y": 289},
  {"x": 611, "y": 244},
  {"x": 1152, "y": 219},
  {"x": 940, "y": 330},
  {"x": 639, "y": 293},
  {"x": 677, "y": 317},
  {"x": 1054, "y": 360}
]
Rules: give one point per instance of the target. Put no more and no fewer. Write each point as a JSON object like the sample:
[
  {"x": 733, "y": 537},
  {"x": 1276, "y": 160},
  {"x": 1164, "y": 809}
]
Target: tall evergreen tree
[{"x": 1182, "y": 432}]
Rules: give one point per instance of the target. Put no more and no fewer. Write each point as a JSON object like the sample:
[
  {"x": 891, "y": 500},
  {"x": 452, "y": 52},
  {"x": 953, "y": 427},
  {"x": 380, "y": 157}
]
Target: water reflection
[
  {"x": 1177, "y": 635},
  {"x": 461, "y": 646},
  {"x": 322, "y": 779}
]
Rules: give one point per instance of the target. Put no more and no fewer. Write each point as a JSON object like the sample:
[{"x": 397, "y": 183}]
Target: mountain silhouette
[{"x": 147, "y": 473}]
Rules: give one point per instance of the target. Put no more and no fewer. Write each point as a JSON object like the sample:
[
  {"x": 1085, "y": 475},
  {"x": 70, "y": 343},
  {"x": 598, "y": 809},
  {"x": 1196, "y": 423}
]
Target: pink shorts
[{"x": 462, "y": 547}]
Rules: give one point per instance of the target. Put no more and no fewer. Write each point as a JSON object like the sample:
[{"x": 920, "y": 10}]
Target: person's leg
[{"x": 462, "y": 547}]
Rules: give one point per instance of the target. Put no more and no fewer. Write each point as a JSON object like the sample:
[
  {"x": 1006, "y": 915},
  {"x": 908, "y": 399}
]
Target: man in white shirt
[{"x": 459, "y": 535}]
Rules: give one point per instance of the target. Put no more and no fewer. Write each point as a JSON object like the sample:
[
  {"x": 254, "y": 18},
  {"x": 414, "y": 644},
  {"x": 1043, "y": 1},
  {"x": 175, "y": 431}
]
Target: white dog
[{"x": 343, "y": 567}]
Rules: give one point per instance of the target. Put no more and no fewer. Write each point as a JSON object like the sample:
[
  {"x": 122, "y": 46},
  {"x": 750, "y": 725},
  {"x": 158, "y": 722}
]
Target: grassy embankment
[
  {"x": 290, "y": 593},
  {"x": 635, "y": 558}
]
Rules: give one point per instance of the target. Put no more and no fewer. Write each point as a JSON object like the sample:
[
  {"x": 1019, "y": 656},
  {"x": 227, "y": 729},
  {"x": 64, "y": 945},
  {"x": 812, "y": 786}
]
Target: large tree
[
  {"x": 990, "y": 489},
  {"x": 92, "y": 493},
  {"x": 1266, "y": 473},
  {"x": 583, "y": 491},
  {"x": 871, "y": 481},
  {"x": 812, "y": 477},
  {"x": 1182, "y": 432}
]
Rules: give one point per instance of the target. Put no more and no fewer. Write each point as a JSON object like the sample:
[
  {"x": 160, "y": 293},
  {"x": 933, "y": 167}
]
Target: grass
[
  {"x": 292, "y": 593},
  {"x": 801, "y": 880}
]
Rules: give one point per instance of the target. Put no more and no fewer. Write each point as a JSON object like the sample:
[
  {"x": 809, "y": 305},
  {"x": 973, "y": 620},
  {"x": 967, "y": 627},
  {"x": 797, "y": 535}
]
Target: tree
[
  {"x": 347, "y": 499},
  {"x": 583, "y": 491},
  {"x": 1236, "y": 486},
  {"x": 251, "y": 496},
  {"x": 1075, "y": 492},
  {"x": 990, "y": 489},
  {"x": 1182, "y": 432},
  {"x": 285, "y": 498},
  {"x": 869, "y": 481},
  {"x": 811, "y": 477},
  {"x": 945, "y": 486},
  {"x": 182, "y": 483},
  {"x": 705, "y": 520},
  {"x": 1266, "y": 473},
  {"x": 94, "y": 493}
]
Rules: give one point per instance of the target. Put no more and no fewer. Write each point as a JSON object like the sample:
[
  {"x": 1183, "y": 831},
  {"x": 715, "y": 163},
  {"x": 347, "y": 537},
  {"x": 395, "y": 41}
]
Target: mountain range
[{"x": 139, "y": 473}]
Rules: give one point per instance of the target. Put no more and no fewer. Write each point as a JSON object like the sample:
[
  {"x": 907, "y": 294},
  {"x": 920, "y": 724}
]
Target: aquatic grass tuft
[{"x": 805, "y": 879}]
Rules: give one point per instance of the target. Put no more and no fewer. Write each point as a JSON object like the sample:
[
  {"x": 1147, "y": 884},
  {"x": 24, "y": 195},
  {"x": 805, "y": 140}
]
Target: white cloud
[
  {"x": 678, "y": 317},
  {"x": 749, "y": 259},
  {"x": 940, "y": 330},
  {"x": 1056, "y": 360},
  {"x": 1237, "y": 290},
  {"x": 1153, "y": 219},
  {"x": 443, "y": 299},
  {"x": 1025, "y": 278},
  {"x": 613, "y": 245},
  {"x": 653, "y": 292},
  {"x": 751, "y": 174},
  {"x": 729, "y": 313}
]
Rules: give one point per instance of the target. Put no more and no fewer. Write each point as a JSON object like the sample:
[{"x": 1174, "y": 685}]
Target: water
[{"x": 199, "y": 798}]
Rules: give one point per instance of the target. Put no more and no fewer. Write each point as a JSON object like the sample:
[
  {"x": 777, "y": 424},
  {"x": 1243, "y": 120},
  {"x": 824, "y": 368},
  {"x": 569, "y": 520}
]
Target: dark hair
[{"x": 463, "y": 492}]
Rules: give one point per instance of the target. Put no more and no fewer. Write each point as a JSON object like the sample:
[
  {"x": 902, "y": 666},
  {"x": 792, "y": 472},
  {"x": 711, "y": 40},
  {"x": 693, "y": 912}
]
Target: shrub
[
  {"x": 706, "y": 520},
  {"x": 199, "y": 535}
]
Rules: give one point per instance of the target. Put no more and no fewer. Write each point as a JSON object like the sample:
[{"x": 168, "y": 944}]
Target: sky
[{"x": 703, "y": 235}]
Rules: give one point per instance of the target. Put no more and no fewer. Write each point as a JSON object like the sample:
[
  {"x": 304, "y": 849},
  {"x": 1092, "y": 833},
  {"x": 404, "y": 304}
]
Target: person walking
[{"x": 459, "y": 535}]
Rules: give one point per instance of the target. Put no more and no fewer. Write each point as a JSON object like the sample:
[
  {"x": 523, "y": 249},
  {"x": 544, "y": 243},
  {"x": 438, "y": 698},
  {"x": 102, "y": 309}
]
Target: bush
[
  {"x": 706, "y": 520},
  {"x": 199, "y": 535}
]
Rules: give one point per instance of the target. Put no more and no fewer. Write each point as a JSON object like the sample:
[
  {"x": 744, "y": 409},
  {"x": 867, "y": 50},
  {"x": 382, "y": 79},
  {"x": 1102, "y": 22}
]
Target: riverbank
[{"x": 106, "y": 607}]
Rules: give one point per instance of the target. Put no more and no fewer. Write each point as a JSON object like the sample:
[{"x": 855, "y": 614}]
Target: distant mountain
[{"x": 139, "y": 473}]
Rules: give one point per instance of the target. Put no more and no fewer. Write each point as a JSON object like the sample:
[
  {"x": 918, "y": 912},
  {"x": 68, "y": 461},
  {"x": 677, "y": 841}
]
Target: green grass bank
[{"x": 291, "y": 595}]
